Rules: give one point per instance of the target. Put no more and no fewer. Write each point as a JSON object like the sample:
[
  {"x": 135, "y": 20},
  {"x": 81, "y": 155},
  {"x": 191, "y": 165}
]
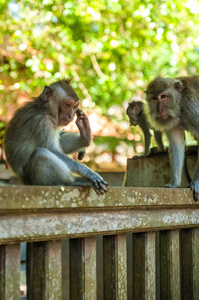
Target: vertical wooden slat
[
  {"x": 53, "y": 270},
  {"x": 121, "y": 267},
  {"x": 90, "y": 269},
  {"x": 129, "y": 244},
  {"x": 195, "y": 263},
  {"x": 65, "y": 270},
  {"x": 10, "y": 272},
  {"x": 100, "y": 268},
  {"x": 186, "y": 264},
  {"x": 150, "y": 275},
  {"x": 175, "y": 265},
  {"x": 139, "y": 266},
  {"x": 44, "y": 270},
  {"x": 164, "y": 265},
  {"x": 77, "y": 282},
  {"x": 109, "y": 263}
]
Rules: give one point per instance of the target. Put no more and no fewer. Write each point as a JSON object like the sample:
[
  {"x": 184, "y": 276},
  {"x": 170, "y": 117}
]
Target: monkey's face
[
  {"x": 133, "y": 115},
  {"x": 67, "y": 110},
  {"x": 163, "y": 106}
]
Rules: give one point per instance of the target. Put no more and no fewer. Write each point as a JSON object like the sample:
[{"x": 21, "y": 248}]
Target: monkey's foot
[
  {"x": 169, "y": 185},
  {"x": 99, "y": 184},
  {"x": 141, "y": 156},
  {"x": 195, "y": 188}
]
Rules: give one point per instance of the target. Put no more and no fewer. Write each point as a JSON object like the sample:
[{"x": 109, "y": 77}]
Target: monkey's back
[{"x": 27, "y": 130}]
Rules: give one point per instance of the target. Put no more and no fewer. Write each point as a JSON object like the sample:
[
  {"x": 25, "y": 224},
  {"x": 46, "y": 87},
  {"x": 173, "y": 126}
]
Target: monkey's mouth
[{"x": 164, "y": 117}]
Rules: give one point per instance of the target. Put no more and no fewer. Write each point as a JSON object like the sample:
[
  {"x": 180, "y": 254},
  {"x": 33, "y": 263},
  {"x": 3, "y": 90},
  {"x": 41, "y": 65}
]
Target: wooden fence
[{"x": 132, "y": 243}]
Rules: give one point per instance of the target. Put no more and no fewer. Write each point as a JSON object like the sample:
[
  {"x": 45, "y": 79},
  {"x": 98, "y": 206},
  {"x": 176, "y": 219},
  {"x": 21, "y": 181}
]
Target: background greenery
[{"x": 110, "y": 49}]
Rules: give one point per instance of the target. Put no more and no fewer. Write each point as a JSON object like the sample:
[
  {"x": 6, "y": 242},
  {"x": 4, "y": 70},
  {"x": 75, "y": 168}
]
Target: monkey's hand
[
  {"x": 99, "y": 184},
  {"x": 195, "y": 188},
  {"x": 83, "y": 125},
  {"x": 81, "y": 155}
]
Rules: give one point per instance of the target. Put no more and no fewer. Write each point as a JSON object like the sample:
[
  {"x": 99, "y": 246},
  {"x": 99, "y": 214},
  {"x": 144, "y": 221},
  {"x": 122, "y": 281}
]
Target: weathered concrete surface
[
  {"x": 154, "y": 171},
  {"x": 25, "y": 198},
  {"x": 44, "y": 213}
]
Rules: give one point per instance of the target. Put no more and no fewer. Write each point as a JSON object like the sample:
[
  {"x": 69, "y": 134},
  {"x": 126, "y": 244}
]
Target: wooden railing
[{"x": 132, "y": 243}]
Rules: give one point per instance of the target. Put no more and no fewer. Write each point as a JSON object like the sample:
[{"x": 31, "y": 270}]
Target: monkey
[
  {"x": 172, "y": 106},
  {"x": 137, "y": 117},
  {"x": 35, "y": 149}
]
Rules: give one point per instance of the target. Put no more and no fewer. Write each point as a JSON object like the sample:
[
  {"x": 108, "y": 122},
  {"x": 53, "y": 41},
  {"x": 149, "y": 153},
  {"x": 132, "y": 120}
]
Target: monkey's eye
[
  {"x": 76, "y": 106},
  {"x": 154, "y": 98},
  {"x": 68, "y": 104},
  {"x": 163, "y": 96}
]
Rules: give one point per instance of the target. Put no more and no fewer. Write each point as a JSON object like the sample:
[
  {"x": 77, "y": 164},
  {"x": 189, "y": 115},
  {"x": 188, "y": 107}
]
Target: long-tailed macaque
[
  {"x": 173, "y": 106},
  {"x": 137, "y": 117},
  {"x": 35, "y": 149}
]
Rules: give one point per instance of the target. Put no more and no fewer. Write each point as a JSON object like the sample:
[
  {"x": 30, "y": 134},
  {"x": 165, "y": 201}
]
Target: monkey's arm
[
  {"x": 147, "y": 138},
  {"x": 158, "y": 139},
  {"x": 82, "y": 170},
  {"x": 71, "y": 142},
  {"x": 176, "y": 152}
]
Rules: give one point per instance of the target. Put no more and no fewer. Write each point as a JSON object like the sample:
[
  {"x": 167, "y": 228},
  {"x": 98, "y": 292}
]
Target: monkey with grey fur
[
  {"x": 172, "y": 107},
  {"x": 137, "y": 117},
  {"x": 35, "y": 149}
]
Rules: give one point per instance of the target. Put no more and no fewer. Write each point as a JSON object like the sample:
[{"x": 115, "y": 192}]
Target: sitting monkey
[
  {"x": 137, "y": 117},
  {"x": 35, "y": 149}
]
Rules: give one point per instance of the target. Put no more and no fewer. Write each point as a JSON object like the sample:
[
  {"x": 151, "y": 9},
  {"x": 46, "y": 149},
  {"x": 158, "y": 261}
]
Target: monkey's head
[
  {"x": 133, "y": 111},
  {"x": 63, "y": 101},
  {"x": 163, "y": 97}
]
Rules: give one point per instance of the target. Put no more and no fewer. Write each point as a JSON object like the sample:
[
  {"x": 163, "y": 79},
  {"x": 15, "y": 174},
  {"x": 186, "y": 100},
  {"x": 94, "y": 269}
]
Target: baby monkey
[{"x": 137, "y": 117}]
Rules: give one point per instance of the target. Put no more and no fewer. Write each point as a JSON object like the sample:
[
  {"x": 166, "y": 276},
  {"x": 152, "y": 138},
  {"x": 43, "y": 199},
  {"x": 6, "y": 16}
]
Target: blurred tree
[{"x": 109, "y": 48}]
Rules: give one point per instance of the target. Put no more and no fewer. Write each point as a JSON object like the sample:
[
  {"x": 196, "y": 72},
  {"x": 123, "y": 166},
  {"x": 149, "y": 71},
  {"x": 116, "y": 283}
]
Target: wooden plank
[
  {"x": 36, "y": 198},
  {"x": 53, "y": 270},
  {"x": 150, "y": 265},
  {"x": 100, "y": 268},
  {"x": 77, "y": 280},
  {"x": 175, "y": 265},
  {"x": 164, "y": 265},
  {"x": 109, "y": 255},
  {"x": 139, "y": 266},
  {"x": 121, "y": 267},
  {"x": 44, "y": 270},
  {"x": 129, "y": 244},
  {"x": 10, "y": 272},
  {"x": 28, "y": 227},
  {"x": 65, "y": 270},
  {"x": 186, "y": 264},
  {"x": 195, "y": 263},
  {"x": 90, "y": 269}
]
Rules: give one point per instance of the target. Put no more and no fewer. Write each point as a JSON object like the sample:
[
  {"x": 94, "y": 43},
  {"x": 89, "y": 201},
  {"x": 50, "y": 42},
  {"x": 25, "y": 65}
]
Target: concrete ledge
[{"x": 30, "y": 213}]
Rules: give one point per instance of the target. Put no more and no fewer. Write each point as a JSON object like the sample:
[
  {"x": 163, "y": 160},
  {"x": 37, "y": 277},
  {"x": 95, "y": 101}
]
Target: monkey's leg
[
  {"x": 195, "y": 181},
  {"x": 176, "y": 151},
  {"x": 158, "y": 139},
  {"x": 45, "y": 168},
  {"x": 82, "y": 170}
]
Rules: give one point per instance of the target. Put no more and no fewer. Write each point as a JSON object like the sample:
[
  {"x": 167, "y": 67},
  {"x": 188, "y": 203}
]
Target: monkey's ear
[
  {"x": 136, "y": 109},
  {"x": 47, "y": 93},
  {"x": 178, "y": 86}
]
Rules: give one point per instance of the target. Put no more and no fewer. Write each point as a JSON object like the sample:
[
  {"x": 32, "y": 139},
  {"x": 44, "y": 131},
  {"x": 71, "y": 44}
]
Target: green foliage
[{"x": 110, "y": 48}]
